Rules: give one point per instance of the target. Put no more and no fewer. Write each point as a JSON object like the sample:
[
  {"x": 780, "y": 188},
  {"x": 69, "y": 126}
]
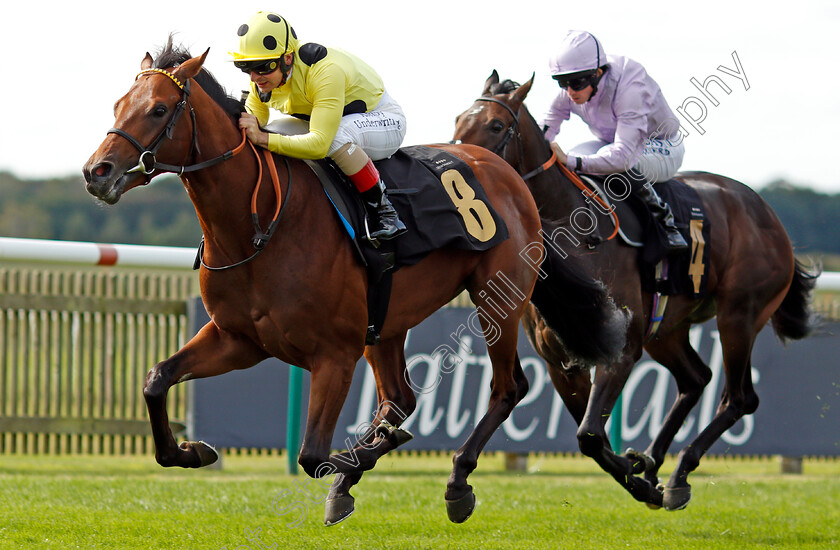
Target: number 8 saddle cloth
[{"x": 437, "y": 197}]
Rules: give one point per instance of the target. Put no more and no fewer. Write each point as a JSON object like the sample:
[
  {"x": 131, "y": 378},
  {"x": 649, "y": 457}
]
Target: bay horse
[
  {"x": 301, "y": 296},
  {"x": 753, "y": 279}
]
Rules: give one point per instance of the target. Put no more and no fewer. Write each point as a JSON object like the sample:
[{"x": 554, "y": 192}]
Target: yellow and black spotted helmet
[{"x": 265, "y": 36}]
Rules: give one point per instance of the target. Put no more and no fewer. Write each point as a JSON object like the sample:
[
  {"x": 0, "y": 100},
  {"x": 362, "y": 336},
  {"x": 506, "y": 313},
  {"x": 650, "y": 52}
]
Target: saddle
[
  {"x": 438, "y": 198},
  {"x": 662, "y": 274}
]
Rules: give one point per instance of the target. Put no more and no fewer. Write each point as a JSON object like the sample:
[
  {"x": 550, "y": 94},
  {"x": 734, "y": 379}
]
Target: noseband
[{"x": 147, "y": 163}]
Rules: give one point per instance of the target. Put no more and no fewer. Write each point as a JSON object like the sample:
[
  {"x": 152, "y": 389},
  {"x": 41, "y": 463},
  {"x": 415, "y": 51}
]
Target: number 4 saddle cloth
[{"x": 436, "y": 195}]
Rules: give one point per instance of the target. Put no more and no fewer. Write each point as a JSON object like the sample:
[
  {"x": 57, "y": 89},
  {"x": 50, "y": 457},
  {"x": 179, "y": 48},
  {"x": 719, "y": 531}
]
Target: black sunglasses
[
  {"x": 260, "y": 67},
  {"x": 575, "y": 81}
]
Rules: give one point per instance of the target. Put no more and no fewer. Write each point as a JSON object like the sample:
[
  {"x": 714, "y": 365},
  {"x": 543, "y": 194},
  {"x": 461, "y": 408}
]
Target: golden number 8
[{"x": 477, "y": 217}]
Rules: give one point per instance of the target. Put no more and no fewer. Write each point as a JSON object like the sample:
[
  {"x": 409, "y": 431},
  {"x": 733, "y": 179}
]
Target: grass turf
[{"x": 94, "y": 502}]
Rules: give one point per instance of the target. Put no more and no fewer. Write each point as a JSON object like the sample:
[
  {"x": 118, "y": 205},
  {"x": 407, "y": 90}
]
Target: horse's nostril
[{"x": 102, "y": 170}]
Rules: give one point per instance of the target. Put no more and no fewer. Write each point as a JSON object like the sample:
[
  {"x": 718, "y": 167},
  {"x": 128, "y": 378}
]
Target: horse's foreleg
[
  {"x": 691, "y": 374},
  {"x": 396, "y": 403},
  {"x": 593, "y": 440},
  {"x": 209, "y": 353},
  {"x": 330, "y": 379},
  {"x": 571, "y": 381},
  {"x": 380, "y": 438},
  {"x": 573, "y": 385}
]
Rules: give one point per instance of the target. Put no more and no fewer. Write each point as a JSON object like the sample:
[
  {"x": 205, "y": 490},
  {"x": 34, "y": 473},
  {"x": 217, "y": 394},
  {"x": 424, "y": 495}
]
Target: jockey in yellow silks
[{"x": 338, "y": 108}]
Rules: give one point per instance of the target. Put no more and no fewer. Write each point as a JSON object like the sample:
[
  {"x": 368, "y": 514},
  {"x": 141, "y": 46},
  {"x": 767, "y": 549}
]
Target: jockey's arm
[{"x": 326, "y": 88}]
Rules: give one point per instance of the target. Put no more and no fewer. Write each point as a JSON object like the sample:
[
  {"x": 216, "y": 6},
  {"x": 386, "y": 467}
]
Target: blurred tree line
[
  {"x": 61, "y": 209},
  {"x": 809, "y": 217}
]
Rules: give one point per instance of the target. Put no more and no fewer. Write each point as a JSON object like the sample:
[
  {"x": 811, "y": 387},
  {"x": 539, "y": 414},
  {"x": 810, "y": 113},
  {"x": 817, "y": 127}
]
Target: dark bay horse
[
  {"x": 302, "y": 297},
  {"x": 753, "y": 279}
]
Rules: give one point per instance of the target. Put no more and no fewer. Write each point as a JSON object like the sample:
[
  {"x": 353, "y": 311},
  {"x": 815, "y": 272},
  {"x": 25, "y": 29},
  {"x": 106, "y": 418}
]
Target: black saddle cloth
[
  {"x": 417, "y": 179},
  {"x": 687, "y": 273}
]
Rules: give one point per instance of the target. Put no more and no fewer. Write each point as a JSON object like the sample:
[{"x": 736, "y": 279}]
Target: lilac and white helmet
[{"x": 579, "y": 51}]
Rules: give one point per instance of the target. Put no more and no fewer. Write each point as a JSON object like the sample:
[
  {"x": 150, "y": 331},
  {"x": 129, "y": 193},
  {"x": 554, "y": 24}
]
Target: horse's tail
[
  {"x": 794, "y": 318},
  {"x": 580, "y": 310}
]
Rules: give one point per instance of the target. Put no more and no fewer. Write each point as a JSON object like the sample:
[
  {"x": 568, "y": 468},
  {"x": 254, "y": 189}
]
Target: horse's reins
[
  {"x": 574, "y": 178},
  {"x": 260, "y": 238},
  {"x": 513, "y": 131}
]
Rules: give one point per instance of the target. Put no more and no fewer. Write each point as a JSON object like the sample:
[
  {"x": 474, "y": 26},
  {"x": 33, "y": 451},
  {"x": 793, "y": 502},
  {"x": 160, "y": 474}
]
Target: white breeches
[
  {"x": 660, "y": 159},
  {"x": 379, "y": 132}
]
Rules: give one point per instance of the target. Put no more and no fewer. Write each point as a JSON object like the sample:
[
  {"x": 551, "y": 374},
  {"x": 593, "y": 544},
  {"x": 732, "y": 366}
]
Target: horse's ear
[
  {"x": 191, "y": 67},
  {"x": 518, "y": 95},
  {"x": 491, "y": 81},
  {"x": 147, "y": 62}
]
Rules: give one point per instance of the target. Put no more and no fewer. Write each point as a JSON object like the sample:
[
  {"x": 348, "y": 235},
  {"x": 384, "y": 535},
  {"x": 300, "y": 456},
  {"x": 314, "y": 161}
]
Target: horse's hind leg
[
  {"x": 509, "y": 386},
  {"x": 210, "y": 353},
  {"x": 737, "y": 335},
  {"x": 396, "y": 402}
]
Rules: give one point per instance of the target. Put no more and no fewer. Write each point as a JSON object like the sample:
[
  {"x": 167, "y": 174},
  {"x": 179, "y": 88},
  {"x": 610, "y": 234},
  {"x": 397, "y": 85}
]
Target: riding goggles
[
  {"x": 261, "y": 67},
  {"x": 576, "y": 81}
]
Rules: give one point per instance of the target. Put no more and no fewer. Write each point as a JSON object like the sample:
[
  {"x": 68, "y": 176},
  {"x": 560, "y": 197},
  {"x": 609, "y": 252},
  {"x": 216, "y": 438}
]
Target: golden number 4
[{"x": 696, "y": 269}]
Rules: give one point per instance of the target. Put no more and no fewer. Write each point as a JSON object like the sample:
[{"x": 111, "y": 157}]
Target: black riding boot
[
  {"x": 385, "y": 219},
  {"x": 662, "y": 214}
]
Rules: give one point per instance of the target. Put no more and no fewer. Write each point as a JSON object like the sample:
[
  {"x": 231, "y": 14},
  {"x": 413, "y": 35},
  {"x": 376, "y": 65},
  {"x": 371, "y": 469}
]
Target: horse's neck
[
  {"x": 554, "y": 194},
  {"x": 222, "y": 193}
]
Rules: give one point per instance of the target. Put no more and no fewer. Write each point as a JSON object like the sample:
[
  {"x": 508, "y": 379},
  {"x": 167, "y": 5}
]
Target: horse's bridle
[
  {"x": 513, "y": 131},
  {"x": 260, "y": 238},
  {"x": 166, "y": 133}
]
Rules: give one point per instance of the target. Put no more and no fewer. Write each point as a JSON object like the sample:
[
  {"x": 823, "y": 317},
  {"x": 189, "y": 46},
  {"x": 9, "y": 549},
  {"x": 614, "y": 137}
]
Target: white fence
[
  {"x": 128, "y": 255},
  {"x": 124, "y": 255}
]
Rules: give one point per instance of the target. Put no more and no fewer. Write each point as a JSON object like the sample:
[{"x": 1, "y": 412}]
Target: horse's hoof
[
  {"x": 676, "y": 498},
  {"x": 338, "y": 509},
  {"x": 460, "y": 510},
  {"x": 206, "y": 454},
  {"x": 399, "y": 436},
  {"x": 657, "y": 505},
  {"x": 641, "y": 462}
]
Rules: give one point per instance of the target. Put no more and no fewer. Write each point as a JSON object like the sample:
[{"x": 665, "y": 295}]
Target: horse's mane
[
  {"x": 172, "y": 55},
  {"x": 504, "y": 87}
]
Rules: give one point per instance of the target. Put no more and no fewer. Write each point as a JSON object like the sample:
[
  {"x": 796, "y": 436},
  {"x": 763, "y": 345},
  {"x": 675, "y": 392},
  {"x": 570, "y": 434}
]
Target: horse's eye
[
  {"x": 496, "y": 126},
  {"x": 159, "y": 111}
]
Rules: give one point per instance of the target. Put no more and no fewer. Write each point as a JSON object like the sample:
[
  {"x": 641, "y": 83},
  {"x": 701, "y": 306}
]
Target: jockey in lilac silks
[{"x": 625, "y": 109}]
